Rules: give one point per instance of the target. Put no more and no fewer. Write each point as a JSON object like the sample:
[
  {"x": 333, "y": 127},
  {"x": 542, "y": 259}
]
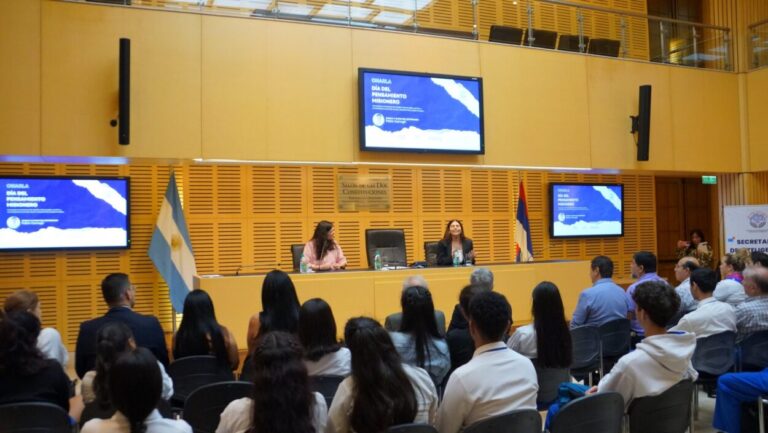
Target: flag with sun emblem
[{"x": 171, "y": 250}]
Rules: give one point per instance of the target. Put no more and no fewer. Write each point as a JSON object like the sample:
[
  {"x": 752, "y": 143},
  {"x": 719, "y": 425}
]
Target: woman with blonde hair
[{"x": 730, "y": 289}]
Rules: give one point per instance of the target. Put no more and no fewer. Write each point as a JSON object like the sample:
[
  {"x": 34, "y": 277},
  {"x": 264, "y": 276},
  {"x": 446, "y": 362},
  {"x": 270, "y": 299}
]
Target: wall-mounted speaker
[
  {"x": 641, "y": 124},
  {"x": 124, "y": 93}
]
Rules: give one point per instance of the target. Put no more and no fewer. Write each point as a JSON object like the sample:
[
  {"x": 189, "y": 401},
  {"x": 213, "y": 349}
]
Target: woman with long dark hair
[
  {"x": 547, "y": 339},
  {"x": 280, "y": 308},
  {"x": 282, "y": 400},
  {"x": 382, "y": 391},
  {"x": 322, "y": 252},
  {"x": 696, "y": 246},
  {"x": 49, "y": 340},
  {"x": 419, "y": 342},
  {"x": 455, "y": 244},
  {"x": 200, "y": 333},
  {"x": 135, "y": 385},
  {"x": 323, "y": 355}
]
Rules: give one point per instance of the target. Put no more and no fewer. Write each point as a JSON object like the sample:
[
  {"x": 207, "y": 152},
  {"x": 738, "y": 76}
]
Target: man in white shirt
[
  {"x": 712, "y": 317},
  {"x": 683, "y": 270},
  {"x": 496, "y": 380}
]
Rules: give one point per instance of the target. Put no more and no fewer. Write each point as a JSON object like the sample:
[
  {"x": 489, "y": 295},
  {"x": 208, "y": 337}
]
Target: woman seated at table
[
  {"x": 455, "y": 243},
  {"x": 322, "y": 252},
  {"x": 696, "y": 246}
]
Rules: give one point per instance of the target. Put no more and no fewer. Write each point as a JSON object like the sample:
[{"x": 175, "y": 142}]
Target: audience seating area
[{"x": 552, "y": 40}]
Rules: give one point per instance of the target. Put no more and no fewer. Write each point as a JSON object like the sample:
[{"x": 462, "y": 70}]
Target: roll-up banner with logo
[{"x": 746, "y": 227}]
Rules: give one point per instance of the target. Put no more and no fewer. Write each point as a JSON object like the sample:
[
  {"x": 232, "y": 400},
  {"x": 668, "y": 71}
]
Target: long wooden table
[{"x": 377, "y": 293}]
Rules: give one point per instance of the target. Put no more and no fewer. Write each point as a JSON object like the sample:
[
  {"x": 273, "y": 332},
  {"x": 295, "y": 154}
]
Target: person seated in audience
[
  {"x": 120, "y": 296},
  {"x": 643, "y": 268},
  {"x": 455, "y": 244},
  {"x": 730, "y": 289},
  {"x": 497, "y": 380},
  {"x": 460, "y": 343},
  {"x": 662, "y": 359},
  {"x": 282, "y": 400},
  {"x": 112, "y": 340},
  {"x": 480, "y": 276},
  {"x": 323, "y": 355},
  {"x": 734, "y": 390},
  {"x": 382, "y": 391},
  {"x": 683, "y": 270},
  {"x": 49, "y": 340},
  {"x": 280, "y": 308},
  {"x": 322, "y": 252},
  {"x": 547, "y": 339},
  {"x": 759, "y": 258},
  {"x": 135, "y": 386},
  {"x": 697, "y": 247},
  {"x": 25, "y": 375},
  {"x": 200, "y": 333},
  {"x": 419, "y": 342},
  {"x": 712, "y": 316},
  {"x": 752, "y": 314},
  {"x": 394, "y": 320},
  {"x": 605, "y": 301}
]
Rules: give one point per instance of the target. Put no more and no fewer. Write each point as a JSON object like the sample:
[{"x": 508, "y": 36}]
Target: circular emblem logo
[
  {"x": 758, "y": 219},
  {"x": 378, "y": 119},
  {"x": 13, "y": 222},
  {"x": 561, "y": 217}
]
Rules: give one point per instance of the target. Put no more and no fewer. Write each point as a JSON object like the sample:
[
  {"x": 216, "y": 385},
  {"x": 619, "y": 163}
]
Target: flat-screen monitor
[
  {"x": 586, "y": 210},
  {"x": 415, "y": 112},
  {"x": 46, "y": 213}
]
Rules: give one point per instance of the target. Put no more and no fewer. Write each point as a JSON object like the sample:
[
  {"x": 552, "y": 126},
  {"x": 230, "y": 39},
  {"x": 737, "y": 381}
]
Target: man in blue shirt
[
  {"x": 643, "y": 267},
  {"x": 604, "y": 301}
]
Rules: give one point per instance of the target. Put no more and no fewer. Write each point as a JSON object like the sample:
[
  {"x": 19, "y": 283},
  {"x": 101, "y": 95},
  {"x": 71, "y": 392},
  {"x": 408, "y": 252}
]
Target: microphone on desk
[{"x": 274, "y": 265}]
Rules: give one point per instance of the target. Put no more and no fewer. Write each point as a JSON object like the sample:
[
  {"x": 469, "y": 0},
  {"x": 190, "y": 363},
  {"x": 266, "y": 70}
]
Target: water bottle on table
[
  {"x": 377, "y": 261},
  {"x": 456, "y": 258}
]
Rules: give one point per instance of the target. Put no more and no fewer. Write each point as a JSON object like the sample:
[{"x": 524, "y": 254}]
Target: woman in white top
[
  {"x": 379, "y": 376},
  {"x": 282, "y": 401},
  {"x": 730, "y": 289},
  {"x": 49, "y": 340},
  {"x": 134, "y": 388},
  {"x": 323, "y": 355}
]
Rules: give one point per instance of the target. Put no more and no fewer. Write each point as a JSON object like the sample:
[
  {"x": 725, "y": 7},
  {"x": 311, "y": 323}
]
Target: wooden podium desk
[{"x": 377, "y": 293}]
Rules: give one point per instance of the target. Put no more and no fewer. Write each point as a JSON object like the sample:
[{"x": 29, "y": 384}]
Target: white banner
[{"x": 746, "y": 227}]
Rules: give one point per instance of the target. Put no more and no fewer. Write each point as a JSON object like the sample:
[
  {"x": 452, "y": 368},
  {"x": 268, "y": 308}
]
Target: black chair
[
  {"x": 192, "y": 372},
  {"x": 430, "y": 253},
  {"x": 753, "y": 352},
  {"x": 516, "y": 421},
  {"x": 204, "y": 405},
  {"x": 714, "y": 356},
  {"x": 33, "y": 417},
  {"x": 571, "y": 43},
  {"x": 506, "y": 35},
  {"x": 668, "y": 412},
  {"x": 326, "y": 385},
  {"x": 412, "y": 428},
  {"x": 604, "y": 47},
  {"x": 615, "y": 339},
  {"x": 393, "y": 321},
  {"x": 549, "y": 383},
  {"x": 296, "y": 251},
  {"x": 541, "y": 39},
  {"x": 596, "y": 413},
  {"x": 390, "y": 243},
  {"x": 586, "y": 351}
]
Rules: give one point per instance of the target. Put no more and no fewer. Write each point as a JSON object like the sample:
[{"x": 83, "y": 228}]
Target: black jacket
[{"x": 444, "y": 257}]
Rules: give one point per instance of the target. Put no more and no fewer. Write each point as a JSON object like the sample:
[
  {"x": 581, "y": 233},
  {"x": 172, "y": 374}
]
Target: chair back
[
  {"x": 412, "y": 428},
  {"x": 326, "y": 385},
  {"x": 33, "y": 417},
  {"x": 204, "y": 405},
  {"x": 516, "y": 421},
  {"x": 714, "y": 354},
  {"x": 192, "y": 372},
  {"x": 604, "y": 47},
  {"x": 549, "y": 382},
  {"x": 430, "y": 253},
  {"x": 754, "y": 352},
  {"x": 615, "y": 337},
  {"x": 393, "y": 321},
  {"x": 586, "y": 348},
  {"x": 596, "y": 413},
  {"x": 505, "y": 34},
  {"x": 296, "y": 251},
  {"x": 541, "y": 39},
  {"x": 571, "y": 43},
  {"x": 668, "y": 412},
  {"x": 390, "y": 243}
]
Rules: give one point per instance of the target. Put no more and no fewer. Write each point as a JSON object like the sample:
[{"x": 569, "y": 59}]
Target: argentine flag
[
  {"x": 171, "y": 250},
  {"x": 523, "y": 245}
]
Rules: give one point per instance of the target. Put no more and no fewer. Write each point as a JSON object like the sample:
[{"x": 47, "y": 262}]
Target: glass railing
[
  {"x": 758, "y": 38},
  {"x": 549, "y": 24}
]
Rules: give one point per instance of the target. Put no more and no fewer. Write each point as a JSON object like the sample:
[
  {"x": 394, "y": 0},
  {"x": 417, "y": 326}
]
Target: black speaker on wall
[
  {"x": 124, "y": 98},
  {"x": 641, "y": 124}
]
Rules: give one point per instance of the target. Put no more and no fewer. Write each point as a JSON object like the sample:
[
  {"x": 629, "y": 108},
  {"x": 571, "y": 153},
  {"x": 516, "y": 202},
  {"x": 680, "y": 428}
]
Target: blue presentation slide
[
  {"x": 421, "y": 113},
  {"x": 63, "y": 213},
  {"x": 587, "y": 210}
]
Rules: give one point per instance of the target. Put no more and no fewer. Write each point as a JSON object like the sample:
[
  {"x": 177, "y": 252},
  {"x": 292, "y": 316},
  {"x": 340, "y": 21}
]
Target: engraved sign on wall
[{"x": 364, "y": 192}]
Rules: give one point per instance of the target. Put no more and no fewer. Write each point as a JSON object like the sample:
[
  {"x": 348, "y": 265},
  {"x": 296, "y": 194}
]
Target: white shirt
[
  {"x": 89, "y": 395},
  {"x": 730, "y": 291},
  {"x": 49, "y": 343},
  {"x": 238, "y": 415},
  {"x": 712, "y": 317},
  {"x": 523, "y": 341},
  {"x": 495, "y": 381},
  {"x": 426, "y": 401},
  {"x": 683, "y": 290},
  {"x": 338, "y": 363},
  {"x": 155, "y": 423}
]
